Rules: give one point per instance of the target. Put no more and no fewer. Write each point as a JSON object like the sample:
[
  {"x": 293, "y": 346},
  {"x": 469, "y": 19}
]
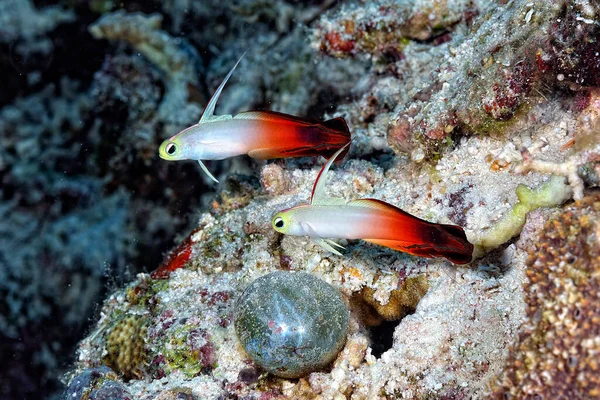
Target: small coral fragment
[
  {"x": 402, "y": 301},
  {"x": 274, "y": 180},
  {"x": 575, "y": 169},
  {"x": 550, "y": 194},
  {"x": 125, "y": 346}
]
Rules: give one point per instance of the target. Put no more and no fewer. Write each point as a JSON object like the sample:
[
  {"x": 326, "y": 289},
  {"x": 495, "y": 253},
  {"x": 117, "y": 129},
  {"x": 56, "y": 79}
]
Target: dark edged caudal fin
[
  {"x": 338, "y": 124},
  {"x": 453, "y": 244},
  {"x": 341, "y": 133}
]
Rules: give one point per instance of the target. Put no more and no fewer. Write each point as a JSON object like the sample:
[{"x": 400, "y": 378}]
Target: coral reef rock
[
  {"x": 480, "y": 113},
  {"x": 466, "y": 66}
]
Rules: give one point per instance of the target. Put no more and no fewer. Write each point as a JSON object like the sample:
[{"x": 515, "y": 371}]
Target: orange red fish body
[
  {"x": 373, "y": 221},
  {"x": 260, "y": 134},
  {"x": 263, "y": 135}
]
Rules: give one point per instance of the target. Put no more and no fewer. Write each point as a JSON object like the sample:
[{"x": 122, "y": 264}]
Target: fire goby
[
  {"x": 371, "y": 220},
  {"x": 260, "y": 134}
]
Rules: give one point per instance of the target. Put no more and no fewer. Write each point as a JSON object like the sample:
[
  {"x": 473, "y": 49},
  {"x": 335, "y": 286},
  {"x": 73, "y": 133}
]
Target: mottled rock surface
[{"x": 556, "y": 355}]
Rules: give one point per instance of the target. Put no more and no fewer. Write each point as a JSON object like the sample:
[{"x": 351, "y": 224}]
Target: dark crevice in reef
[
  {"x": 326, "y": 103},
  {"x": 382, "y": 337}
]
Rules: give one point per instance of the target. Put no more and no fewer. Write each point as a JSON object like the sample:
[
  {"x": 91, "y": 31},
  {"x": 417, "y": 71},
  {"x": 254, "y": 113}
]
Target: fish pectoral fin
[
  {"x": 207, "y": 172},
  {"x": 325, "y": 245},
  {"x": 318, "y": 196},
  {"x": 263, "y": 154}
]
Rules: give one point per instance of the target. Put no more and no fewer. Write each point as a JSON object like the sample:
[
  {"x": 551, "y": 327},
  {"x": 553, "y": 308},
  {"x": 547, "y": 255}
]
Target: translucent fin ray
[
  {"x": 209, "y": 111},
  {"x": 323, "y": 243},
  {"x": 207, "y": 172},
  {"x": 331, "y": 242},
  {"x": 318, "y": 196}
]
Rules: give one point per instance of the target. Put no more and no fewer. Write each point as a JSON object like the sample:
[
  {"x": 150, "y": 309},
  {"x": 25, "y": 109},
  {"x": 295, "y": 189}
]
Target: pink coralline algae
[
  {"x": 504, "y": 100},
  {"x": 201, "y": 348}
]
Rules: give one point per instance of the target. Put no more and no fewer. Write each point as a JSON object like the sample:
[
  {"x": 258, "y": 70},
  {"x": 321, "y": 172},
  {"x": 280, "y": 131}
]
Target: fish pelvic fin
[
  {"x": 327, "y": 245},
  {"x": 207, "y": 172},
  {"x": 318, "y": 196},
  {"x": 209, "y": 111}
]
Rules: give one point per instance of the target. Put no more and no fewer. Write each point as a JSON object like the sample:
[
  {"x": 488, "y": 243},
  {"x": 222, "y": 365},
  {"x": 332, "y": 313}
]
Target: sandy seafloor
[{"x": 479, "y": 113}]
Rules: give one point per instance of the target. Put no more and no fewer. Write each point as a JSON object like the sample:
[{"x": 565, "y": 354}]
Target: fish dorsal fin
[
  {"x": 381, "y": 205},
  {"x": 318, "y": 196},
  {"x": 332, "y": 201},
  {"x": 207, "y": 172},
  {"x": 209, "y": 112},
  {"x": 373, "y": 204}
]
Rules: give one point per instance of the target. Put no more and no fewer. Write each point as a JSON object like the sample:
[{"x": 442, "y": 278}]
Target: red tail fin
[
  {"x": 454, "y": 244},
  {"x": 338, "y": 124}
]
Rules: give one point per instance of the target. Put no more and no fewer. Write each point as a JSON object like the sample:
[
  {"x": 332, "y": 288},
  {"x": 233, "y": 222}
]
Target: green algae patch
[
  {"x": 188, "y": 349},
  {"x": 143, "y": 293}
]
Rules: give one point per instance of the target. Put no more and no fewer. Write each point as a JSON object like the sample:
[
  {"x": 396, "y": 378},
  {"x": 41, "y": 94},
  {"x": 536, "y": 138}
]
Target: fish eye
[
  {"x": 171, "y": 149},
  {"x": 278, "y": 222}
]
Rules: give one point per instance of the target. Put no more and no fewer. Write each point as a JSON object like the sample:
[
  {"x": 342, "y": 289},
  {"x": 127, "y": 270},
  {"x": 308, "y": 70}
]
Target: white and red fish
[
  {"x": 259, "y": 134},
  {"x": 372, "y": 220}
]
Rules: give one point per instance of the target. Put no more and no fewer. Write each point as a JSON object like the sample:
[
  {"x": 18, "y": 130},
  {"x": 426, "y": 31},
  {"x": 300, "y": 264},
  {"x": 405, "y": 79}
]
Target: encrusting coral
[
  {"x": 401, "y": 301},
  {"x": 125, "y": 352},
  {"x": 556, "y": 355}
]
